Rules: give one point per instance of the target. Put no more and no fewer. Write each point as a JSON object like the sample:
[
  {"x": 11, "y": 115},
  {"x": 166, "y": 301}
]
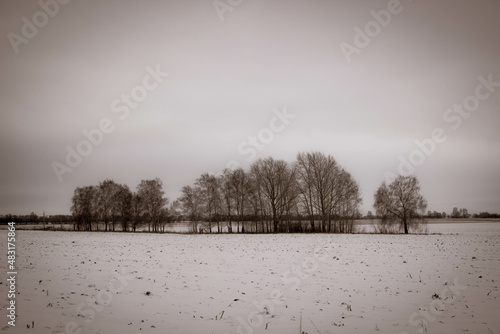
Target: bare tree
[
  {"x": 105, "y": 201},
  {"x": 318, "y": 176},
  {"x": 83, "y": 207},
  {"x": 211, "y": 199},
  {"x": 401, "y": 203},
  {"x": 136, "y": 211},
  {"x": 152, "y": 202},
  {"x": 164, "y": 219},
  {"x": 122, "y": 206},
  {"x": 257, "y": 203},
  {"x": 347, "y": 203},
  {"x": 227, "y": 191},
  {"x": 276, "y": 181},
  {"x": 191, "y": 202},
  {"x": 328, "y": 192},
  {"x": 240, "y": 184},
  {"x": 306, "y": 185}
]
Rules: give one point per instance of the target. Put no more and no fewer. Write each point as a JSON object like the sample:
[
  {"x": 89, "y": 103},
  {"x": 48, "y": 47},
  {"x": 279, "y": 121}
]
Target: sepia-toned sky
[{"x": 227, "y": 80}]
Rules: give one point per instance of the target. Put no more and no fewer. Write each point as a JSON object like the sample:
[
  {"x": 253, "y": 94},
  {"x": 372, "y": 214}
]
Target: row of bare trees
[
  {"x": 274, "y": 196},
  {"x": 114, "y": 204},
  {"x": 312, "y": 194}
]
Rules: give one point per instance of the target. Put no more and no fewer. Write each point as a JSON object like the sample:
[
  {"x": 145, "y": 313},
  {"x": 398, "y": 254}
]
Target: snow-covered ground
[{"x": 168, "y": 283}]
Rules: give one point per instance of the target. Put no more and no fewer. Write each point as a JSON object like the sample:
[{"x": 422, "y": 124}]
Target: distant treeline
[
  {"x": 34, "y": 219},
  {"x": 486, "y": 215}
]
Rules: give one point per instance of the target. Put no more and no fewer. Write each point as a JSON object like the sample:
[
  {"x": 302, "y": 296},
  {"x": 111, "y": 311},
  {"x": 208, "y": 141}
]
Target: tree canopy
[{"x": 400, "y": 204}]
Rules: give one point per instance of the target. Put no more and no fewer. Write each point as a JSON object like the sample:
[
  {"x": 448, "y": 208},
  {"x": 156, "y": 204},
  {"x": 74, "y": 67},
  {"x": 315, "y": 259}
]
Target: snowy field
[{"x": 71, "y": 282}]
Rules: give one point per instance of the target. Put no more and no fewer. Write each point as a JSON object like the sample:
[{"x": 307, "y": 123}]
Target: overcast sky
[{"x": 228, "y": 78}]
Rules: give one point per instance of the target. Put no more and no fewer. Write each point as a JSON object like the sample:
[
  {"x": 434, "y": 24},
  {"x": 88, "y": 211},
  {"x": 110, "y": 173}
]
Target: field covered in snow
[{"x": 96, "y": 282}]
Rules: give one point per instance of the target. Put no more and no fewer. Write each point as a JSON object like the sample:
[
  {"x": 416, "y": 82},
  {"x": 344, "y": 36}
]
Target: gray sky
[{"x": 226, "y": 78}]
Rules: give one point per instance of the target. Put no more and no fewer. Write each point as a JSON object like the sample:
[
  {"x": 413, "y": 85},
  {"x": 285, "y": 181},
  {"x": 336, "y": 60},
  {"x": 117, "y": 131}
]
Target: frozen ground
[{"x": 224, "y": 283}]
